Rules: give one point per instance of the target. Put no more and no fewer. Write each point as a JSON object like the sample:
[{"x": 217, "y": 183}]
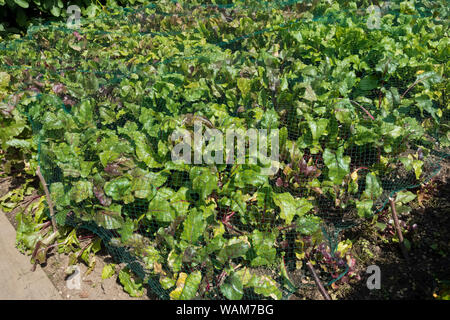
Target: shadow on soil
[{"x": 429, "y": 255}]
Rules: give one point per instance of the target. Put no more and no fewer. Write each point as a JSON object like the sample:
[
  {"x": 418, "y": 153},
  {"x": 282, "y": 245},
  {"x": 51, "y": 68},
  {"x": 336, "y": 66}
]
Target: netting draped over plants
[{"x": 356, "y": 97}]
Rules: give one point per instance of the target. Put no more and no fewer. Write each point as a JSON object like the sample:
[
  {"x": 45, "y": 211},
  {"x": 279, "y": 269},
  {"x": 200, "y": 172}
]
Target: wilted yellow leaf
[{"x": 175, "y": 294}]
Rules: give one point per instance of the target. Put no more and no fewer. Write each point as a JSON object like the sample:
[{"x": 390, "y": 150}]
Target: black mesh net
[{"x": 349, "y": 97}]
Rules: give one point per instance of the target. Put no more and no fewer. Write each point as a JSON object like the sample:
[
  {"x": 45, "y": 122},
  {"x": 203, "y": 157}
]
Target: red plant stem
[
  {"x": 361, "y": 168},
  {"x": 381, "y": 93},
  {"x": 45, "y": 226},
  {"x": 264, "y": 213},
  {"x": 55, "y": 245},
  {"x": 47, "y": 195},
  {"x": 228, "y": 217},
  {"x": 409, "y": 88},
  {"x": 379, "y": 99},
  {"x": 399, "y": 230},
  {"x": 221, "y": 277},
  {"x": 287, "y": 227},
  {"x": 317, "y": 281},
  {"x": 367, "y": 112},
  {"x": 84, "y": 248},
  {"x": 227, "y": 224},
  {"x": 38, "y": 249},
  {"x": 86, "y": 237},
  {"x": 208, "y": 287},
  {"x": 364, "y": 109},
  {"x": 27, "y": 203}
]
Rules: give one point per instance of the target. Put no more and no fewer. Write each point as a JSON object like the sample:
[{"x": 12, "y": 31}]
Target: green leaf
[
  {"x": 265, "y": 286},
  {"x": 417, "y": 166},
  {"x": 249, "y": 177},
  {"x": 150, "y": 256},
  {"x": 236, "y": 247},
  {"x": 368, "y": 83},
  {"x": 318, "y": 128},
  {"x": 270, "y": 119},
  {"x": 84, "y": 112},
  {"x": 308, "y": 225},
  {"x": 108, "y": 271},
  {"x": 187, "y": 286},
  {"x": 179, "y": 201},
  {"x": 160, "y": 207},
  {"x": 144, "y": 151},
  {"x": 193, "y": 226},
  {"x": 133, "y": 287},
  {"x": 126, "y": 230},
  {"x": 373, "y": 187},
  {"x": 118, "y": 188},
  {"x": 58, "y": 194},
  {"x": 297, "y": 35},
  {"x": 232, "y": 289},
  {"x": 26, "y": 236},
  {"x": 310, "y": 95},
  {"x": 337, "y": 164},
  {"x": 81, "y": 191},
  {"x": 244, "y": 85},
  {"x": 108, "y": 156},
  {"x": 203, "y": 181},
  {"x": 263, "y": 244},
  {"x": 166, "y": 282},
  {"x": 344, "y": 111},
  {"x": 174, "y": 261},
  {"x": 290, "y": 206},
  {"x": 55, "y": 11},
  {"x": 364, "y": 208},
  {"x": 4, "y": 79},
  {"x": 22, "y": 3},
  {"x": 109, "y": 219},
  {"x": 92, "y": 10},
  {"x": 404, "y": 197}
]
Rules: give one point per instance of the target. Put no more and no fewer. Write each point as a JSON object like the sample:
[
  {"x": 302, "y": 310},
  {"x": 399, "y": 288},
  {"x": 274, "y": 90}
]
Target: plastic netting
[{"x": 358, "y": 97}]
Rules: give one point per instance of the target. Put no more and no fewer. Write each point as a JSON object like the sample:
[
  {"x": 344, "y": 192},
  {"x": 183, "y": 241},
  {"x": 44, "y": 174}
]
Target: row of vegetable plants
[{"x": 351, "y": 105}]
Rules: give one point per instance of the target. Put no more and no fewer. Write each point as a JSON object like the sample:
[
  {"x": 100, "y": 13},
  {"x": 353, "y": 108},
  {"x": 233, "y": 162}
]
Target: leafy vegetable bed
[{"x": 353, "y": 106}]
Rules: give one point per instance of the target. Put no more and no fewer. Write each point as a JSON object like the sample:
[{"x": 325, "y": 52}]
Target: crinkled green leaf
[
  {"x": 80, "y": 191},
  {"x": 337, "y": 164},
  {"x": 308, "y": 224},
  {"x": 187, "y": 286},
  {"x": 193, "y": 226},
  {"x": 118, "y": 188},
  {"x": 203, "y": 181},
  {"x": 404, "y": 197},
  {"x": 108, "y": 271},
  {"x": 364, "y": 208},
  {"x": 373, "y": 188},
  {"x": 290, "y": 206},
  {"x": 131, "y": 285},
  {"x": 232, "y": 289}
]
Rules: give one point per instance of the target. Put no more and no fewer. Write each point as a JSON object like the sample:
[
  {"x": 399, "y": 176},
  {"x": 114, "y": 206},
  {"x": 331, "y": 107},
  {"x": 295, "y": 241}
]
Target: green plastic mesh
[{"x": 361, "y": 110}]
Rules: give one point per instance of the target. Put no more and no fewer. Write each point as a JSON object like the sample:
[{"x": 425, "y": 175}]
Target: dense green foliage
[
  {"x": 349, "y": 102},
  {"x": 25, "y": 12}
]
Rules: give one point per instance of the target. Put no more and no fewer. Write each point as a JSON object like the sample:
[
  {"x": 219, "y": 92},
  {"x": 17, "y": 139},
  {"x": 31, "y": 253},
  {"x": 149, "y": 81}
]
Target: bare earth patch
[{"x": 92, "y": 286}]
